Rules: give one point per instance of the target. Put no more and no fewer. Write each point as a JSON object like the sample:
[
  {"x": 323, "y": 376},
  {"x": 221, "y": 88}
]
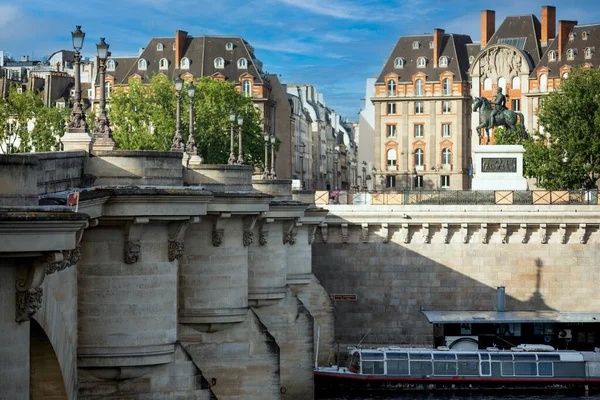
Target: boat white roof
[{"x": 498, "y": 317}]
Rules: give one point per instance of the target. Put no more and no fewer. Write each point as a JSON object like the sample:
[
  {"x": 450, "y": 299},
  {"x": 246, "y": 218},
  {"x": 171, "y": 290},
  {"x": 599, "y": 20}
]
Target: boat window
[
  {"x": 420, "y": 368},
  {"x": 420, "y": 356},
  {"x": 485, "y": 368},
  {"x": 496, "y": 369},
  {"x": 507, "y": 368},
  {"x": 525, "y": 357},
  {"x": 545, "y": 368},
  {"x": 444, "y": 356},
  {"x": 446, "y": 368},
  {"x": 468, "y": 364},
  {"x": 397, "y": 356},
  {"x": 502, "y": 357},
  {"x": 525, "y": 369},
  {"x": 397, "y": 367},
  {"x": 484, "y": 356},
  {"x": 467, "y": 356},
  {"x": 372, "y": 356},
  {"x": 372, "y": 367},
  {"x": 355, "y": 362},
  {"x": 548, "y": 357}
]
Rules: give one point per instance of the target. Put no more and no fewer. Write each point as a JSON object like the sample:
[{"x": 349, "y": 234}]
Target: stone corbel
[
  {"x": 249, "y": 223},
  {"x": 504, "y": 233},
  {"x": 28, "y": 282},
  {"x": 290, "y": 231},
  {"x": 324, "y": 233},
  {"x": 344, "y": 233},
  {"x": 543, "y": 234},
  {"x": 217, "y": 228},
  {"x": 177, "y": 237},
  {"x": 263, "y": 230},
  {"x": 364, "y": 232},
  {"x": 523, "y": 233},
  {"x": 562, "y": 229},
  {"x": 69, "y": 258},
  {"x": 484, "y": 233},
  {"x": 581, "y": 232},
  {"x": 385, "y": 232},
  {"x": 133, "y": 236},
  {"x": 445, "y": 233},
  {"x": 464, "y": 232},
  {"x": 405, "y": 233},
  {"x": 312, "y": 234},
  {"x": 425, "y": 235}
]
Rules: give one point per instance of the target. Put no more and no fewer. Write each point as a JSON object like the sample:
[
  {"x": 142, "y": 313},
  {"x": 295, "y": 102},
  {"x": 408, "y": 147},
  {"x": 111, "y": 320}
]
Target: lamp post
[
  {"x": 364, "y": 176},
  {"x": 267, "y": 138},
  {"x": 414, "y": 179},
  {"x": 102, "y": 131},
  {"x": 302, "y": 147},
  {"x": 178, "y": 139},
  {"x": 336, "y": 155},
  {"x": 191, "y": 148},
  {"x": 77, "y": 120},
  {"x": 240, "y": 121},
  {"x": 374, "y": 173},
  {"x": 353, "y": 165},
  {"x": 273, "y": 176},
  {"x": 231, "y": 160}
]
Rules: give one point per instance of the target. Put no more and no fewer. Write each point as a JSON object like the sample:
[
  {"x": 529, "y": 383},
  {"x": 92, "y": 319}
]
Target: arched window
[
  {"x": 565, "y": 75},
  {"x": 391, "y": 86},
  {"x": 421, "y": 62},
  {"x": 446, "y": 87},
  {"x": 185, "y": 63},
  {"x": 570, "y": 54},
  {"x": 229, "y": 46},
  {"x": 431, "y": 44},
  {"x": 446, "y": 157},
  {"x": 502, "y": 84},
  {"x": 416, "y": 45},
  {"x": 399, "y": 63},
  {"x": 247, "y": 88},
  {"x": 160, "y": 47},
  {"x": 543, "y": 82},
  {"x": 242, "y": 63},
  {"x": 219, "y": 63},
  {"x": 419, "y": 158},
  {"x": 391, "y": 159},
  {"x": 142, "y": 64},
  {"x": 571, "y": 35},
  {"x": 419, "y": 87},
  {"x": 584, "y": 35},
  {"x": 111, "y": 65},
  {"x": 516, "y": 83},
  {"x": 588, "y": 52},
  {"x": 487, "y": 84},
  {"x": 163, "y": 63},
  {"x": 443, "y": 61},
  {"x": 471, "y": 59},
  {"x": 552, "y": 56}
]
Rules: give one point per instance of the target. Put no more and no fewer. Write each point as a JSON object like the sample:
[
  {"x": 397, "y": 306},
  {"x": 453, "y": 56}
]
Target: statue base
[
  {"x": 104, "y": 143},
  {"x": 498, "y": 167},
  {"x": 76, "y": 139}
]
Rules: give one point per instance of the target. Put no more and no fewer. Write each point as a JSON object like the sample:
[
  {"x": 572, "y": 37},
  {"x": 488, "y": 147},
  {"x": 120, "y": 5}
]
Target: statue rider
[{"x": 500, "y": 103}]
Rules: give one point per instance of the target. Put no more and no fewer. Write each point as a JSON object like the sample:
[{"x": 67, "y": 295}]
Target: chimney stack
[
  {"x": 488, "y": 26},
  {"x": 548, "y": 24},
  {"x": 438, "y": 35},
  {"x": 180, "y": 37},
  {"x": 564, "y": 28}
]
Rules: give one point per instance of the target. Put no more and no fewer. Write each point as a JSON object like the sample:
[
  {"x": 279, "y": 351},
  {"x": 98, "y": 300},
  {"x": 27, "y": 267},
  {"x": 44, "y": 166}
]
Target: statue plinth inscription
[{"x": 498, "y": 165}]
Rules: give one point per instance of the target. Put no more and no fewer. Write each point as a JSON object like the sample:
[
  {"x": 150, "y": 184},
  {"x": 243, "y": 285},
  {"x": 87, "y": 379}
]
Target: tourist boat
[{"x": 522, "y": 367}]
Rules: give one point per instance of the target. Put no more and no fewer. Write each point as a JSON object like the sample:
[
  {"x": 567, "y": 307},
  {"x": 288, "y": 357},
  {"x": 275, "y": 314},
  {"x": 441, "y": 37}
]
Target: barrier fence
[{"x": 500, "y": 197}]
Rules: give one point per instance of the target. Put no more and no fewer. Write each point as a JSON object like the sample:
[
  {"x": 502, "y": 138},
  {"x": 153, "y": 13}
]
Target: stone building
[{"x": 424, "y": 127}]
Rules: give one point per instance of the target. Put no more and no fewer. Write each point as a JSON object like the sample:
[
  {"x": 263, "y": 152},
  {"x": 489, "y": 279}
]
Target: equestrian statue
[{"x": 499, "y": 115}]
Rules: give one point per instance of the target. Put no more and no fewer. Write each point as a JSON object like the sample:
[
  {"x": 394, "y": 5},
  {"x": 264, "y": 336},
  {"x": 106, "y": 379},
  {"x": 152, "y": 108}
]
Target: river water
[{"x": 464, "y": 396}]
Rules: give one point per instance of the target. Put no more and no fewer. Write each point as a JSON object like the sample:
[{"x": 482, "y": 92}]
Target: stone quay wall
[{"x": 398, "y": 260}]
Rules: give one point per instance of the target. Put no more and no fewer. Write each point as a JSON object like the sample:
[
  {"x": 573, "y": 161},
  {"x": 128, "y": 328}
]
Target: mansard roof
[
  {"x": 522, "y": 32},
  {"x": 452, "y": 47}
]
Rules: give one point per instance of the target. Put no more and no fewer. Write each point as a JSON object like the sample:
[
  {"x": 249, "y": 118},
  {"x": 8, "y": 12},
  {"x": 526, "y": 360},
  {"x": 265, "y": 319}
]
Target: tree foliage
[
  {"x": 144, "y": 118},
  {"x": 566, "y": 155}
]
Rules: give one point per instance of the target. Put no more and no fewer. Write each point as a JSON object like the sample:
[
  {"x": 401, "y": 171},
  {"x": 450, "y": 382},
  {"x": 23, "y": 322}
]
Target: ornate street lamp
[
  {"x": 240, "y": 121},
  {"x": 191, "y": 148},
  {"x": 353, "y": 166},
  {"x": 336, "y": 155},
  {"x": 231, "y": 160},
  {"x": 77, "y": 120},
  {"x": 102, "y": 131},
  {"x": 178, "y": 139},
  {"x": 273, "y": 176},
  {"x": 266, "y": 169},
  {"x": 374, "y": 173},
  {"x": 302, "y": 147}
]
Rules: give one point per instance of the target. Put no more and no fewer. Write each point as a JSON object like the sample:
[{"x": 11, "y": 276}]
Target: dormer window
[
  {"x": 219, "y": 63},
  {"x": 242, "y": 63},
  {"x": 111, "y": 65},
  {"x": 584, "y": 35},
  {"x": 229, "y": 46},
  {"x": 246, "y": 87},
  {"x": 421, "y": 62},
  {"x": 443, "y": 61},
  {"x": 399, "y": 63},
  {"x": 174, "y": 47},
  {"x": 163, "y": 63},
  {"x": 142, "y": 64},
  {"x": 552, "y": 56},
  {"x": 572, "y": 35},
  {"x": 185, "y": 63},
  {"x": 570, "y": 54},
  {"x": 588, "y": 52},
  {"x": 471, "y": 59},
  {"x": 160, "y": 47},
  {"x": 416, "y": 45},
  {"x": 431, "y": 44}
]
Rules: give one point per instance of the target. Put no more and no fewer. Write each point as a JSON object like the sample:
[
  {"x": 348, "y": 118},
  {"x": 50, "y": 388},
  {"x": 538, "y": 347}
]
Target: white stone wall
[{"x": 267, "y": 263}]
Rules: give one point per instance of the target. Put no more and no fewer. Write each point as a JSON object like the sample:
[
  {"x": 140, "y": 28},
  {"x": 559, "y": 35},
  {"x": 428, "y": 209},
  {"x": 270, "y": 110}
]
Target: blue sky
[{"x": 332, "y": 44}]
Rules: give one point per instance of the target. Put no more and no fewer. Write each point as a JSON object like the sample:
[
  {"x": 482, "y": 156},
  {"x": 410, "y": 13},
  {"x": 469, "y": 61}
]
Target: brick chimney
[
  {"x": 180, "y": 37},
  {"x": 438, "y": 35},
  {"x": 548, "y": 24},
  {"x": 564, "y": 28},
  {"x": 488, "y": 26}
]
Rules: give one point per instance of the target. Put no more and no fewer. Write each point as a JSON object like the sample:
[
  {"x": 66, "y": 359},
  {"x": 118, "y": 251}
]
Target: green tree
[
  {"x": 50, "y": 126},
  {"x": 567, "y": 154},
  {"x": 17, "y": 111}
]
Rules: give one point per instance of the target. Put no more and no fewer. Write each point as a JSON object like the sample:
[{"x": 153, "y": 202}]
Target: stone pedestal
[
  {"x": 498, "y": 167},
  {"x": 103, "y": 143},
  {"x": 76, "y": 139}
]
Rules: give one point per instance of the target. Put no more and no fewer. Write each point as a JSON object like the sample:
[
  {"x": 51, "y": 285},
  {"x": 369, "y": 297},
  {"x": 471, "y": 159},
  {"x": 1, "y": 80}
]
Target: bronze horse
[{"x": 507, "y": 118}]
